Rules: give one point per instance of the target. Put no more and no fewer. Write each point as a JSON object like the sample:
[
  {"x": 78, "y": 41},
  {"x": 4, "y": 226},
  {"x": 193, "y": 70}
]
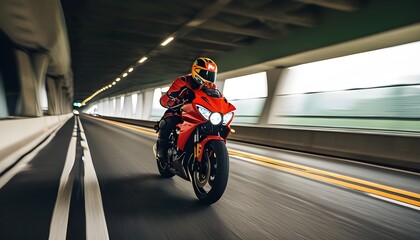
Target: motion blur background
[{"x": 327, "y": 122}]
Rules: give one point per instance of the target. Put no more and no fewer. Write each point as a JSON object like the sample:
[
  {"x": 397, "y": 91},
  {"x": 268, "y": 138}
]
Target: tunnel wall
[{"x": 386, "y": 149}]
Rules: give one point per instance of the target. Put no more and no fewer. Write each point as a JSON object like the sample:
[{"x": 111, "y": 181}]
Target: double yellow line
[
  {"x": 130, "y": 126},
  {"x": 333, "y": 178},
  {"x": 396, "y": 194}
]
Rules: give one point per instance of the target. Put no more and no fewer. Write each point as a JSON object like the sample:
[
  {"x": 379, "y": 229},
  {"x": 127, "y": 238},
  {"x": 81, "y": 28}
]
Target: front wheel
[{"x": 210, "y": 178}]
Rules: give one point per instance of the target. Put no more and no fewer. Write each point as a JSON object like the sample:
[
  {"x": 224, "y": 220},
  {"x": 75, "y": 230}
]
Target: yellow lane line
[
  {"x": 322, "y": 172},
  {"x": 338, "y": 182},
  {"x": 307, "y": 171},
  {"x": 130, "y": 126}
]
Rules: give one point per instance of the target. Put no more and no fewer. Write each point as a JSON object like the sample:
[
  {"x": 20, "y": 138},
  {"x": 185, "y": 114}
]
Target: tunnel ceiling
[{"x": 108, "y": 37}]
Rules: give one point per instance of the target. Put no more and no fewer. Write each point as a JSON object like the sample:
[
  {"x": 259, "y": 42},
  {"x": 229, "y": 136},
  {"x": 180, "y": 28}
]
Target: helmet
[{"x": 204, "y": 70}]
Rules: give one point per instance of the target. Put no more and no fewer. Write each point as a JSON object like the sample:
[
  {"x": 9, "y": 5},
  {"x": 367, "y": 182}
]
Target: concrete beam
[
  {"x": 215, "y": 25},
  {"x": 342, "y": 5}
]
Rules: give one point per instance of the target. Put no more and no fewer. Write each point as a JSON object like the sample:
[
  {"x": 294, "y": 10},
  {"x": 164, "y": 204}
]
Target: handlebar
[{"x": 178, "y": 105}]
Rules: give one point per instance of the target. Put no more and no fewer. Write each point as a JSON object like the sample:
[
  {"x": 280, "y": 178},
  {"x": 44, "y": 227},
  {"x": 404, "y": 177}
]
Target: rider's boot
[{"x": 162, "y": 150}]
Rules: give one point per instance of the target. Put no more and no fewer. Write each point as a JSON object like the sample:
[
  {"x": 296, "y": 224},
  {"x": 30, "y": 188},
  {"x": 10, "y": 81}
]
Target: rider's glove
[{"x": 174, "y": 102}]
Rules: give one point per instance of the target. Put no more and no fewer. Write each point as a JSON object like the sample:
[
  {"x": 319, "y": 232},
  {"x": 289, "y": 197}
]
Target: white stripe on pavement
[
  {"x": 59, "y": 221},
  {"x": 95, "y": 217}
]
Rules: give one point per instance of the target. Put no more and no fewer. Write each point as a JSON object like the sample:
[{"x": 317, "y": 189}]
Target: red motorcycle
[{"x": 198, "y": 150}]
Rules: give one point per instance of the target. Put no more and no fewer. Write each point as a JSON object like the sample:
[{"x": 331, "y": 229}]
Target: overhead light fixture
[
  {"x": 167, "y": 41},
  {"x": 143, "y": 59}
]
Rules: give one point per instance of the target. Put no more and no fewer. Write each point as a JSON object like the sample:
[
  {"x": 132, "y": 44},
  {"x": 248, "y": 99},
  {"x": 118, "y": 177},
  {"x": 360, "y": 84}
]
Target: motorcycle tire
[{"x": 210, "y": 179}]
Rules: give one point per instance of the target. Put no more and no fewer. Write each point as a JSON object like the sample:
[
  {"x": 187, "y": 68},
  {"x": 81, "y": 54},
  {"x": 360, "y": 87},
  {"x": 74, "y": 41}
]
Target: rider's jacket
[{"x": 181, "y": 89}]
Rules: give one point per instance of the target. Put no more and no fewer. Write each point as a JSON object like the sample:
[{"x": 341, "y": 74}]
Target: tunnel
[{"x": 309, "y": 130}]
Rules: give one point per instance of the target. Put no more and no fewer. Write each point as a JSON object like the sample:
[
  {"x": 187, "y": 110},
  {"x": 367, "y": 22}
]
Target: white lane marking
[
  {"x": 23, "y": 163},
  {"x": 95, "y": 217},
  {"x": 59, "y": 221},
  {"x": 394, "y": 201}
]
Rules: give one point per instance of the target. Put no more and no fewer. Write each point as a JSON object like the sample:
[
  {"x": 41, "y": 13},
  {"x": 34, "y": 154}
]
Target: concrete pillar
[
  {"x": 52, "y": 96},
  {"x": 147, "y": 104},
  {"x": 113, "y": 106},
  {"x": 117, "y": 109},
  {"x": 68, "y": 99},
  {"x": 127, "y": 111},
  {"x": 100, "y": 107},
  {"x": 67, "y": 103},
  {"x": 107, "y": 107},
  {"x": 220, "y": 84},
  {"x": 60, "y": 95},
  {"x": 40, "y": 63},
  {"x": 273, "y": 79},
  {"x": 29, "y": 93},
  {"x": 139, "y": 107},
  {"x": 3, "y": 103}
]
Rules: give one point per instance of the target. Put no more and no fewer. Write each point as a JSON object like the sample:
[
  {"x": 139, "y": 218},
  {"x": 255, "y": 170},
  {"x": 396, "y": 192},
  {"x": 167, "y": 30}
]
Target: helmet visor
[{"x": 207, "y": 75}]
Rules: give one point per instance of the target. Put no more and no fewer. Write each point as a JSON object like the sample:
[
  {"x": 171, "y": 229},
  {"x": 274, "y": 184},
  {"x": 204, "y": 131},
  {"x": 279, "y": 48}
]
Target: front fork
[
  {"x": 199, "y": 147},
  {"x": 196, "y": 163}
]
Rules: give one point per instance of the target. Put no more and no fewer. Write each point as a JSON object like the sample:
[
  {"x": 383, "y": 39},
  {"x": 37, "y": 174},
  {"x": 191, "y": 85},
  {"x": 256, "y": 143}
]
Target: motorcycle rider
[{"x": 203, "y": 76}]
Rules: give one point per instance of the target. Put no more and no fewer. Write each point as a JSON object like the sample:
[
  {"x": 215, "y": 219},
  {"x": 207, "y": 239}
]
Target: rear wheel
[
  {"x": 163, "y": 167},
  {"x": 210, "y": 178}
]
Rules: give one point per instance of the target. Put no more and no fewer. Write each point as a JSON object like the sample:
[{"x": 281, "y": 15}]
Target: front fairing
[
  {"x": 192, "y": 117},
  {"x": 213, "y": 104}
]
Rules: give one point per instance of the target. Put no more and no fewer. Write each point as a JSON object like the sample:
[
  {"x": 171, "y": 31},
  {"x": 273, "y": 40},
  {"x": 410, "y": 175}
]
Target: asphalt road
[{"x": 260, "y": 202}]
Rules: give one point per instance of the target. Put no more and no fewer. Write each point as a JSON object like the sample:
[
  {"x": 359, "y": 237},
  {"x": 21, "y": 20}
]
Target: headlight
[
  {"x": 216, "y": 118},
  {"x": 227, "y": 118},
  {"x": 204, "y": 112}
]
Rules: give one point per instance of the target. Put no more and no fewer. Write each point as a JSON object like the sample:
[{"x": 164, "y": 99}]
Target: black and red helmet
[{"x": 204, "y": 70}]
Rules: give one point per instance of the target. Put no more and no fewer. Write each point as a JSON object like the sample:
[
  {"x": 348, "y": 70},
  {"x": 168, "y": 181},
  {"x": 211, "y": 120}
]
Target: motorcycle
[{"x": 197, "y": 151}]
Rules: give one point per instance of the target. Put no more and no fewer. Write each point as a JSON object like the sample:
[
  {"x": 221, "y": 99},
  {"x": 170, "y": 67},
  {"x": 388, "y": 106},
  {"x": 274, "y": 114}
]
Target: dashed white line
[
  {"x": 59, "y": 221},
  {"x": 96, "y": 227}
]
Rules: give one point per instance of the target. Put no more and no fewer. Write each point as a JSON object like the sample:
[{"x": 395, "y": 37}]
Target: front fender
[{"x": 199, "y": 147}]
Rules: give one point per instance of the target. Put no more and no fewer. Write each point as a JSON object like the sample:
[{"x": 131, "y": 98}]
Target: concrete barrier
[
  {"x": 401, "y": 151},
  {"x": 381, "y": 148},
  {"x": 19, "y": 136}
]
